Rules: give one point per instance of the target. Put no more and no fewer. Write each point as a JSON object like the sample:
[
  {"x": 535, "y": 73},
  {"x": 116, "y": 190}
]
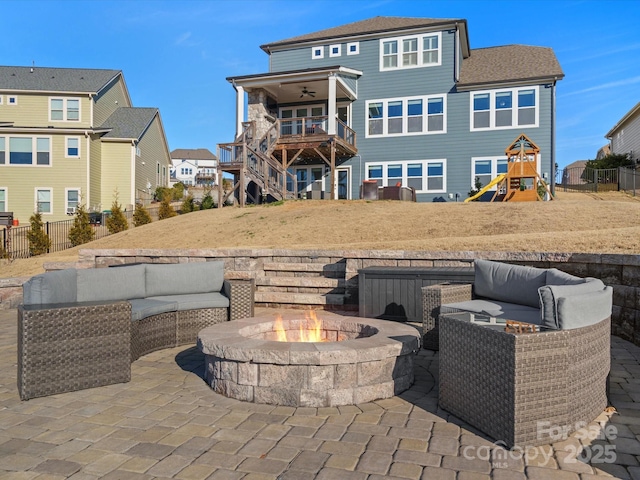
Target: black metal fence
[
  {"x": 15, "y": 244},
  {"x": 580, "y": 179}
]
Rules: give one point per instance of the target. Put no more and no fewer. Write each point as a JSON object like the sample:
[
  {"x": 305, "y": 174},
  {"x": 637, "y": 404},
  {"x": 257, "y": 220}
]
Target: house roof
[
  {"x": 635, "y": 110},
  {"x": 129, "y": 122},
  {"x": 369, "y": 26},
  {"x": 192, "y": 154},
  {"x": 78, "y": 80},
  {"x": 508, "y": 64},
  {"x": 577, "y": 164}
]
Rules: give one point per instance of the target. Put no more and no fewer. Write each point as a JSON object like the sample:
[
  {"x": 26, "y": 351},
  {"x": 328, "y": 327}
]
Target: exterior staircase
[{"x": 288, "y": 283}]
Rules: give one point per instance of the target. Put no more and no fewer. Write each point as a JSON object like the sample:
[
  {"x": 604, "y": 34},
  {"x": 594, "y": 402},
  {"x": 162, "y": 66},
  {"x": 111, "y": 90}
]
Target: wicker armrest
[
  {"x": 64, "y": 348},
  {"x": 241, "y": 298},
  {"x": 433, "y": 296}
]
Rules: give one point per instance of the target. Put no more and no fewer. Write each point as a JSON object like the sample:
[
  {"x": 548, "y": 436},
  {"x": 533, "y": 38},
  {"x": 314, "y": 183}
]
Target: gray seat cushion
[
  {"x": 50, "y": 288},
  {"x": 195, "y": 300},
  {"x": 106, "y": 284},
  {"x": 496, "y": 309},
  {"x": 586, "y": 314},
  {"x": 144, "y": 307},
  {"x": 558, "y": 277},
  {"x": 508, "y": 283},
  {"x": 184, "y": 278}
]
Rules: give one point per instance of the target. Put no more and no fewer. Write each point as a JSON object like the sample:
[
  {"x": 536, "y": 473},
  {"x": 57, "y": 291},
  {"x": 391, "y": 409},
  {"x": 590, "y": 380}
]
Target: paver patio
[{"x": 167, "y": 423}]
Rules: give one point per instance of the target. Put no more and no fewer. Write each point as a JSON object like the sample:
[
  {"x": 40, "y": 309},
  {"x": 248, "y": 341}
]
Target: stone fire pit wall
[{"x": 374, "y": 361}]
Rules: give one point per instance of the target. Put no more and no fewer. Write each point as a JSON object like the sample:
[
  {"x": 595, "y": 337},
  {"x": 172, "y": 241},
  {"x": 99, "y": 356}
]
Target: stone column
[{"x": 259, "y": 111}]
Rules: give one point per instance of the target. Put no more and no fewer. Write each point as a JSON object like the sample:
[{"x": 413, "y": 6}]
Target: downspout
[
  {"x": 552, "y": 180},
  {"x": 88, "y": 153},
  {"x": 456, "y": 59}
]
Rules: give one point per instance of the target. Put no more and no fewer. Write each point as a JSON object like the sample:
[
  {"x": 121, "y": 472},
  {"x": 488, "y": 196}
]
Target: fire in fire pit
[{"x": 350, "y": 360}]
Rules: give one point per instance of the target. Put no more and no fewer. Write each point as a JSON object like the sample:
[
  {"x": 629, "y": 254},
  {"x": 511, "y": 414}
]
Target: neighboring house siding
[
  {"x": 94, "y": 201},
  {"x": 105, "y": 103},
  {"x": 626, "y": 139},
  {"x": 153, "y": 151},
  {"x": 116, "y": 165},
  {"x": 33, "y": 110}
]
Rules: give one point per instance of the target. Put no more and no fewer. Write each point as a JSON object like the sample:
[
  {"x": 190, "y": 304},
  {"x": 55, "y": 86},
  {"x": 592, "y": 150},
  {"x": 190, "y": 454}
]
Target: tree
[
  {"x": 166, "y": 210},
  {"x": 39, "y": 241},
  {"x": 207, "y": 202},
  {"x": 141, "y": 215},
  {"x": 187, "y": 204},
  {"x": 81, "y": 231},
  {"x": 613, "y": 160},
  {"x": 117, "y": 221},
  {"x": 477, "y": 187},
  {"x": 178, "y": 191}
]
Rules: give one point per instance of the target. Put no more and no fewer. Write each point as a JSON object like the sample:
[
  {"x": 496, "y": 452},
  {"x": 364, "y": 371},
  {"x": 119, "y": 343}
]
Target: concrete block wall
[{"x": 622, "y": 272}]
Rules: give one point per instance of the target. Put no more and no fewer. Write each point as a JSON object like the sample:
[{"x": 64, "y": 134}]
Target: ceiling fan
[{"x": 307, "y": 92}]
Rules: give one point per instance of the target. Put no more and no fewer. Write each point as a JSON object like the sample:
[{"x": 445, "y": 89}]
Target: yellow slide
[{"x": 496, "y": 180}]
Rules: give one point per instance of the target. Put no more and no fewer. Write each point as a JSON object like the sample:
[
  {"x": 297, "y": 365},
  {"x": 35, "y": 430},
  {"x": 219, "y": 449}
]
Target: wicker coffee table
[{"x": 519, "y": 388}]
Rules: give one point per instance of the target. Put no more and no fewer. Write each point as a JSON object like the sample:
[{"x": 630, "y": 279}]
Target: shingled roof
[
  {"x": 371, "y": 25},
  {"x": 129, "y": 122},
  {"x": 192, "y": 154},
  {"x": 44, "y": 79},
  {"x": 509, "y": 63}
]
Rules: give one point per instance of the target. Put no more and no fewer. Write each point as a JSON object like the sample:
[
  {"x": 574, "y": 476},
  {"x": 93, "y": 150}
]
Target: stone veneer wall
[{"x": 622, "y": 272}]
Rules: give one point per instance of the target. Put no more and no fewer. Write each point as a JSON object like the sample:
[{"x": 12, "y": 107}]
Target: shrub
[
  {"x": 39, "y": 241},
  {"x": 207, "y": 202},
  {"x": 177, "y": 192},
  {"x": 117, "y": 221},
  {"x": 613, "y": 160},
  {"x": 477, "y": 187},
  {"x": 141, "y": 215},
  {"x": 187, "y": 204},
  {"x": 166, "y": 210},
  {"x": 81, "y": 231}
]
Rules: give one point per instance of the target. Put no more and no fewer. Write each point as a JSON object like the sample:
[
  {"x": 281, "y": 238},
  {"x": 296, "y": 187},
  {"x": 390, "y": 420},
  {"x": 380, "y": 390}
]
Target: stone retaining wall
[{"x": 622, "y": 272}]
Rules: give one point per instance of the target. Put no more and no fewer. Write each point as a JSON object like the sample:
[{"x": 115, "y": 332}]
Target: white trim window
[
  {"x": 486, "y": 169},
  {"x": 26, "y": 151},
  {"x": 406, "y": 116},
  {"x": 425, "y": 176},
  {"x": 503, "y": 109},
  {"x": 72, "y": 147},
  {"x": 317, "y": 52},
  {"x": 12, "y": 100},
  {"x": 1, "y": 99},
  {"x": 412, "y": 51},
  {"x": 44, "y": 200},
  {"x": 4, "y": 205},
  {"x": 353, "y": 48},
  {"x": 335, "y": 50},
  {"x": 72, "y": 198},
  {"x": 64, "y": 109}
]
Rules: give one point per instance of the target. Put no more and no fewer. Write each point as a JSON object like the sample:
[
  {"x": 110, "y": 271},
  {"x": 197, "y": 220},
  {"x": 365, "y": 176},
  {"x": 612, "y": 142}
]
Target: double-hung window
[
  {"x": 3, "y": 150},
  {"x": 72, "y": 197},
  {"x": 485, "y": 169},
  {"x": 502, "y": 109},
  {"x": 411, "y": 51},
  {"x": 43, "y": 200},
  {"x": 64, "y": 109},
  {"x": 72, "y": 149},
  {"x": 26, "y": 150},
  {"x": 406, "y": 116},
  {"x": 425, "y": 176},
  {"x": 3, "y": 199}
]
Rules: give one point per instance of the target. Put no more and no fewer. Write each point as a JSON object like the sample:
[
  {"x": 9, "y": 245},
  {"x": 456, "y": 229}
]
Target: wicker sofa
[
  {"x": 82, "y": 328},
  {"x": 524, "y": 389}
]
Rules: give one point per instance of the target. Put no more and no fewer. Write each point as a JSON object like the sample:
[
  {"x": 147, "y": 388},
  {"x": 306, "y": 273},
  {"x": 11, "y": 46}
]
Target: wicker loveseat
[
  {"x": 82, "y": 328},
  {"x": 524, "y": 389}
]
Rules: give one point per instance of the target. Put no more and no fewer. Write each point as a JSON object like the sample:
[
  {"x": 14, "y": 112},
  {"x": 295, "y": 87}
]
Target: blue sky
[{"x": 175, "y": 55}]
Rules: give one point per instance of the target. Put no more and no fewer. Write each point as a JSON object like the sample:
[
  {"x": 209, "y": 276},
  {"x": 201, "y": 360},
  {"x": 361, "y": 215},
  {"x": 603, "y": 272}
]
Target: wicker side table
[
  {"x": 241, "y": 294},
  {"x": 433, "y": 296}
]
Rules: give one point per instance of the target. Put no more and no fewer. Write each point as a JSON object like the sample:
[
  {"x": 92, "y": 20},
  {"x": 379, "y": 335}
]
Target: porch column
[
  {"x": 239, "y": 109},
  {"x": 331, "y": 111},
  {"x": 333, "y": 171}
]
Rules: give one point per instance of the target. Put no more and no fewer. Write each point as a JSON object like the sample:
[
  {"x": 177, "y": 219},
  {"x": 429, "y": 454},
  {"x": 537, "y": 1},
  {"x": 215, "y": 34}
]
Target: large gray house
[{"x": 398, "y": 101}]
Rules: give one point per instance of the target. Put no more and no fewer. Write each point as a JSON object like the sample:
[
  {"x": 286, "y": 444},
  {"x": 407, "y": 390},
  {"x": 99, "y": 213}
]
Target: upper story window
[
  {"x": 502, "y": 109},
  {"x": 353, "y": 48},
  {"x": 412, "y": 51},
  {"x": 335, "y": 50},
  {"x": 317, "y": 52},
  {"x": 3, "y": 199},
  {"x": 12, "y": 100},
  {"x": 407, "y": 116},
  {"x": 64, "y": 109},
  {"x": 1, "y": 99},
  {"x": 72, "y": 149},
  {"x": 25, "y": 150}
]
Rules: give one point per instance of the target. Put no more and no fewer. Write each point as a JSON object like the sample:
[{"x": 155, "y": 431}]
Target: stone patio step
[
  {"x": 299, "y": 298},
  {"x": 305, "y": 282}
]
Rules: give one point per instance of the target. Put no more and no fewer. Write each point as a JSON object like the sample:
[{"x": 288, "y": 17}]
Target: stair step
[
  {"x": 299, "y": 298},
  {"x": 305, "y": 282},
  {"x": 304, "y": 267}
]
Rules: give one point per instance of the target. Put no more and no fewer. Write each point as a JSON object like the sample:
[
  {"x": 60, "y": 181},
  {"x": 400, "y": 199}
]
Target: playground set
[{"x": 520, "y": 183}]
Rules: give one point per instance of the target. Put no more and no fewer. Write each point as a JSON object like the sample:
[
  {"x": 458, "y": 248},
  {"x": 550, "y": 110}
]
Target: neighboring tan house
[
  {"x": 206, "y": 164},
  {"x": 603, "y": 151},
  {"x": 393, "y": 101},
  {"x": 70, "y": 136},
  {"x": 625, "y": 135}
]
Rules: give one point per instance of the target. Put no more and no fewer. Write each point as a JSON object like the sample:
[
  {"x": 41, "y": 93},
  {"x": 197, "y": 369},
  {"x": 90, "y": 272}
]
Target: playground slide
[{"x": 496, "y": 180}]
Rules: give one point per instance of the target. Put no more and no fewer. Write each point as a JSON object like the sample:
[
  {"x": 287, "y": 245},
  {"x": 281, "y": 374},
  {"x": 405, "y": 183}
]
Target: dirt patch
[{"x": 606, "y": 223}]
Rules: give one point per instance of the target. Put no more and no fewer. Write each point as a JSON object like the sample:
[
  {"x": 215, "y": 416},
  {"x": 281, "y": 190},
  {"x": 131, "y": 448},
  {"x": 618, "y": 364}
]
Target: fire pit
[{"x": 352, "y": 360}]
